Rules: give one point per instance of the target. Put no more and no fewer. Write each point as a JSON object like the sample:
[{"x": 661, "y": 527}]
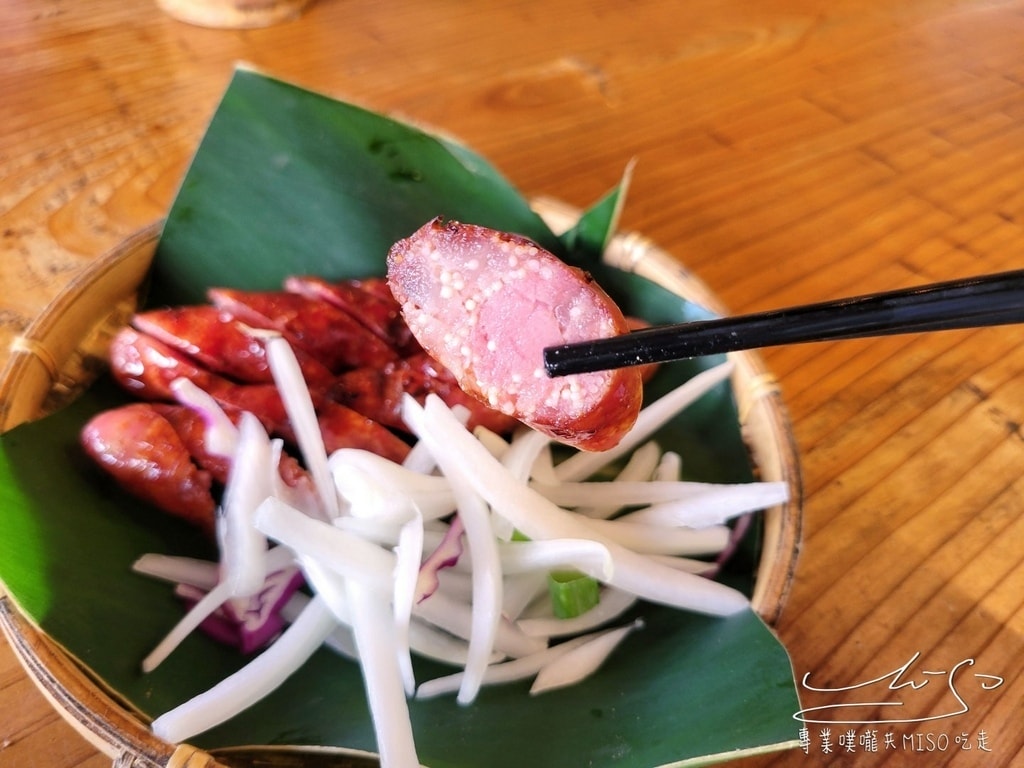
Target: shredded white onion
[
  {"x": 661, "y": 540},
  {"x": 639, "y": 468},
  {"x": 394, "y": 484},
  {"x": 539, "y": 518},
  {"x": 522, "y": 590},
  {"x": 456, "y": 617},
  {"x": 487, "y": 577},
  {"x": 408, "y": 554},
  {"x": 507, "y": 671},
  {"x": 372, "y": 627},
  {"x": 391, "y": 577},
  {"x": 652, "y": 418},
  {"x": 581, "y": 661},
  {"x": 670, "y": 467},
  {"x": 214, "y": 599},
  {"x": 221, "y": 436},
  {"x": 243, "y": 546},
  {"x": 341, "y": 552},
  {"x": 586, "y": 555},
  {"x": 299, "y": 405},
  {"x": 248, "y": 685},
  {"x": 178, "y": 570},
  {"x": 613, "y": 603}
]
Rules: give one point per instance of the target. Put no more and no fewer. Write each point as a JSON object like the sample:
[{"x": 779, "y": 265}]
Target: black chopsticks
[{"x": 966, "y": 303}]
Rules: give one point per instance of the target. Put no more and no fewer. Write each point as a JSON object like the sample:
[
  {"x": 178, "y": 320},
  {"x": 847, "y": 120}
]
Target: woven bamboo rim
[{"x": 56, "y": 357}]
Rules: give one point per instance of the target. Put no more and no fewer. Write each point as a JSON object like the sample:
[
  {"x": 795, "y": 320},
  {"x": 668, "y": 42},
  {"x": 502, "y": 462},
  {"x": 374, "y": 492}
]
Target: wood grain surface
[{"x": 787, "y": 152}]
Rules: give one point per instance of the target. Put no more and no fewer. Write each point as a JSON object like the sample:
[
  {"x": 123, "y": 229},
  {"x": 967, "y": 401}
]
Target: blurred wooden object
[
  {"x": 233, "y": 14},
  {"x": 788, "y": 152}
]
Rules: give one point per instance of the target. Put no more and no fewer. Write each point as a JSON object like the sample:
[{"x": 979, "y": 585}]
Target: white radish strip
[
  {"x": 221, "y": 435},
  {"x": 456, "y": 618},
  {"x": 424, "y": 639},
  {"x": 251, "y": 683},
  {"x": 586, "y": 555},
  {"x": 299, "y": 406},
  {"x": 408, "y": 554},
  {"x": 580, "y": 662},
  {"x": 503, "y": 529},
  {"x": 203, "y": 574},
  {"x": 718, "y": 504},
  {"x": 538, "y": 518},
  {"x": 242, "y": 547},
  {"x": 342, "y": 643},
  {"x": 662, "y": 540},
  {"x": 670, "y": 467},
  {"x": 343, "y": 553},
  {"x": 373, "y": 628},
  {"x": 639, "y": 468},
  {"x": 505, "y": 672},
  {"x": 584, "y": 464},
  {"x": 613, "y": 603}
]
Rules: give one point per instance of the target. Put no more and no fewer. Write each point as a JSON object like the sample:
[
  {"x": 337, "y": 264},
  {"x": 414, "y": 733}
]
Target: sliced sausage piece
[
  {"x": 220, "y": 343},
  {"x": 191, "y": 429},
  {"x": 146, "y": 367},
  {"x": 378, "y": 393},
  {"x": 139, "y": 448},
  {"x": 323, "y": 331},
  {"x": 375, "y": 309},
  {"x": 485, "y": 304}
]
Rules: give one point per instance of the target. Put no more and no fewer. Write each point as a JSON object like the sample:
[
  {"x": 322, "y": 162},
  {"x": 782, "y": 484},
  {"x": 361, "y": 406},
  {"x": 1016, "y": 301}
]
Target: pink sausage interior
[{"x": 486, "y": 303}]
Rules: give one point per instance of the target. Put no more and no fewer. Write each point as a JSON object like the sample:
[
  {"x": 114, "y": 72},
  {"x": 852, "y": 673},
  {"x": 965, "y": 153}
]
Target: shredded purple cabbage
[
  {"x": 249, "y": 624},
  {"x": 445, "y": 555}
]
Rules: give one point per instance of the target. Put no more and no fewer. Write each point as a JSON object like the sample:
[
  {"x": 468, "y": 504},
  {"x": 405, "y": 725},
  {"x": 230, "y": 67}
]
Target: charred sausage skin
[{"x": 355, "y": 351}]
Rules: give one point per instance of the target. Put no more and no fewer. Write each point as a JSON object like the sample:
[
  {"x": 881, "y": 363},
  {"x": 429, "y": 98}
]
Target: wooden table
[{"x": 787, "y": 152}]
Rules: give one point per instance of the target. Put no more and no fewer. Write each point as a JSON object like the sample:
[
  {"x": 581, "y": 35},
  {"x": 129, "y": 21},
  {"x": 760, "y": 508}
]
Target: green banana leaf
[{"x": 287, "y": 181}]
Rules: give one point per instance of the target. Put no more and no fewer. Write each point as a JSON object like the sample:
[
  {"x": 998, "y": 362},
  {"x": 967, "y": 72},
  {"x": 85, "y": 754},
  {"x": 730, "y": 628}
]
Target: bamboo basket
[{"x": 63, "y": 351}]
